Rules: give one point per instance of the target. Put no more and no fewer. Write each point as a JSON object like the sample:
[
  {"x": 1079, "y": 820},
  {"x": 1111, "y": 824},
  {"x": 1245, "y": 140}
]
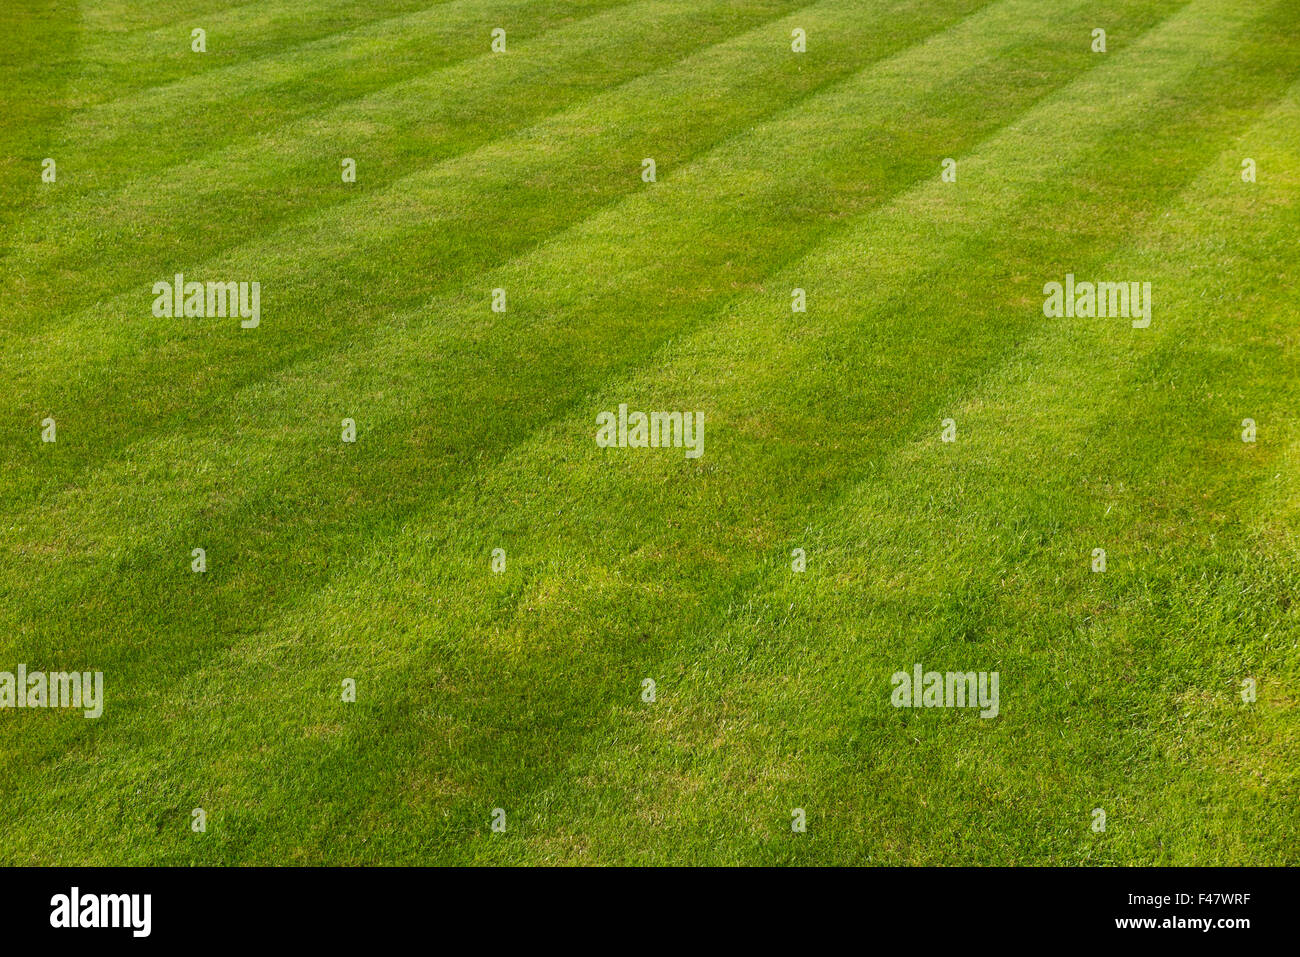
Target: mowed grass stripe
[
  {"x": 44, "y": 42},
  {"x": 1118, "y": 677},
  {"x": 111, "y": 60},
  {"x": 247, "y": 525},
  {"x": 217, "y": 110},
  {"x": 31, "y": 98},
  {"x": 940, "y": 557},
  {"x": 127, "y": 16},
  {"x": 539, "y": 642},
  {"x": 241, "y": 187},
  {"x": 458, "y": 215},
  {"x": 111, "y": 629},
  {"x": 925, "y": 562},
  {"x": 745, "y": 645},
  {"x": 382, "y": 364}
]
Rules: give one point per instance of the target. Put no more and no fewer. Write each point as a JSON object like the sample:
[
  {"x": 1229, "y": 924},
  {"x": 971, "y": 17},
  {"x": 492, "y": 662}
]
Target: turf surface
[{"x": 522, "y": 690}]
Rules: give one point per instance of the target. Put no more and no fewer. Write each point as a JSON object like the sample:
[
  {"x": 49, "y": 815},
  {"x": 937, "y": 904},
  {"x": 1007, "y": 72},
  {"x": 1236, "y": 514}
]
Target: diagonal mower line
[
  {"x": 33, "y": 364},
  {"x": 31, "y": 104},
  {"x": 251, "y": 75},
  {"x": 91, "y": 207},
  {"x": 657, "y": 357},
  {"x": 792, "y": 273},
  {"x": 228, "y": 13},
  {"x": 215, "y": 23},
  {"x": 1012, "y": 364},
  {"x": 1094, "y": 407},
  {"x": 249, "y": 391},
  {"x": 335, "y": 586},
  {"x": 113, "y": 50},
  {"x": 255, "y": 143},
  {"x": 844, "y": 510},
  {"x": 1181, "y": 308},
  {"x": 1181, "y": 314},
  {"x": 104, "y": 19}
]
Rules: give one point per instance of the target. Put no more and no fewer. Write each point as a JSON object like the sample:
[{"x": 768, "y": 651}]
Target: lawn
[{"x": 476, "y": 634}]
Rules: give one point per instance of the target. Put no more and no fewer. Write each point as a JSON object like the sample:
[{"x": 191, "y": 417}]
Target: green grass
[{"x": 522, "y": 690}]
